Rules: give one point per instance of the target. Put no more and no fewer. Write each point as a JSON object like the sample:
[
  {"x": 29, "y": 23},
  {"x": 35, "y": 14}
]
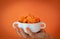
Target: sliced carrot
[
  {"x": 37, "y": 20},
  {"x": 21, "y": 19},
  {"x": 25, "y": 21}
]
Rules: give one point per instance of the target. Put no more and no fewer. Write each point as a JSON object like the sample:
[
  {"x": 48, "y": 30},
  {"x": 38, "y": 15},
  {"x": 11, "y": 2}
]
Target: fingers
[
  {"x": 23, "y": 33},
  {"x": 20, "y": 32},
  {"x": 17, "y": 30},
  {"x": 30, "y": 33}
]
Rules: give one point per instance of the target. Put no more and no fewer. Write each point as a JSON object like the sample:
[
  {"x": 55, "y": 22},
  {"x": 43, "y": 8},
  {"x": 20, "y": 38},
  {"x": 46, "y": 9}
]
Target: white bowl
[{"x": 35, "y": 27}]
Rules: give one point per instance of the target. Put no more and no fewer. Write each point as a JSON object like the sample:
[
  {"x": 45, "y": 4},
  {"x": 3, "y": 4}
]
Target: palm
[{"x": 39, "y": 35}]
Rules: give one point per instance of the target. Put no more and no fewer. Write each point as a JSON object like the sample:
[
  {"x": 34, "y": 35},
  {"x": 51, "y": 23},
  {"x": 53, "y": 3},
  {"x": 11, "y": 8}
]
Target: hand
[{"x": 30, "y": 35}]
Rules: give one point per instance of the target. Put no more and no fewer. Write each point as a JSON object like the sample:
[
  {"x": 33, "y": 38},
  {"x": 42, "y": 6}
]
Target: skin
[{"x": 40, "y": 35}]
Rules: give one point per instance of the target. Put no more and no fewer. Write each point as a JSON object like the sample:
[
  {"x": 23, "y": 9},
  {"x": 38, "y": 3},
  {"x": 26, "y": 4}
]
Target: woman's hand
[{"x": 30, "y": 35}]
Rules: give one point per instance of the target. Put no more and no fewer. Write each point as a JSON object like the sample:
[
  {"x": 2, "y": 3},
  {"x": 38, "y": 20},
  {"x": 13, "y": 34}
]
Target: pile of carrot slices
[{"x": 29, "y": 19}]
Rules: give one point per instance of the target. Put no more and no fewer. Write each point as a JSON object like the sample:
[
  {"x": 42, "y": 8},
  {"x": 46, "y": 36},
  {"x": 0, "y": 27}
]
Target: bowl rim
[{"x": 29, "y": 23}]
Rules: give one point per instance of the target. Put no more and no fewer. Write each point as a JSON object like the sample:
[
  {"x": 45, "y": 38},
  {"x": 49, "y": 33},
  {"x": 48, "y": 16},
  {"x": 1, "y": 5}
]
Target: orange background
[{"x": 11, "y": 11}]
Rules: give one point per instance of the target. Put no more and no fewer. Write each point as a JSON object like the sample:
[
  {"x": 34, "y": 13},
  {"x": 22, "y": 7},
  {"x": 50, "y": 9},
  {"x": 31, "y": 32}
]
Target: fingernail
[
  {"x": 20, "y": 29},
  {"x": 27, "y": 28}
]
